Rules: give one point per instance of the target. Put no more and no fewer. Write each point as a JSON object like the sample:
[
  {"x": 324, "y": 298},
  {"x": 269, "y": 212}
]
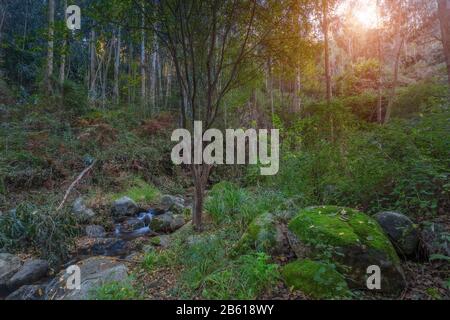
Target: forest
[{"x": 354, "y": 93}]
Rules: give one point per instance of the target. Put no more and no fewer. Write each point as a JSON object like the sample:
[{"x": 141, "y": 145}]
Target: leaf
[{"x": 435, "y": 257}]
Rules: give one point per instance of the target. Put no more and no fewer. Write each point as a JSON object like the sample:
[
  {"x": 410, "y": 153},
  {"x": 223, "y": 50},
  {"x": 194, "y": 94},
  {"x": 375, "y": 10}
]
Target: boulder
[
  {"x": 82, "y": 213},
  {"x": 401, "y": 230},
  {"x": 94, "y": 231},
  {"x": 317, "y": 280},
  {"x": 167, "y": 222},
  {"x": 162, "y": 241},
  {"x": 132, "y": 224},
  {"x": 353, "y": 241},
  {"x": 9, "y": 265},
  {"x": 31, "y": 271},
  {"x": 95, "y": 272},
  {"x": 29, "y": 292},
  {"x": 265, "y": 234},
  {"x": 436, "y": 239},
  {"x": 173, "y": 203},
  {"x": 111, "y": 247},
  {"x": 124, "y": 207}
]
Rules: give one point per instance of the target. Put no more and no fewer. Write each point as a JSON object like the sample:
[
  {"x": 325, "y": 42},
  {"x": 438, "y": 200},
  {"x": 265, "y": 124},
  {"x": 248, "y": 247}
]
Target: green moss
[
  {"x": 340, "y": 227},
  {"x": 316, "y": 279},
  {"x": 156, "y": 241}
]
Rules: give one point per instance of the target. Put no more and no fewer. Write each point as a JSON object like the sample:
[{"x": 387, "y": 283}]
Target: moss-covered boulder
[
  {"x": 317, "y": 280},
  {"x": 352, "y": 240},
  {"x": 264, "y": 234}
]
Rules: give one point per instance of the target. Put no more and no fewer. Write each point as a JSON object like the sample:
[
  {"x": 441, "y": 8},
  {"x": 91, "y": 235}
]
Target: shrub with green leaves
[
  {"x": 115, "y": 291},
  {"x": 48, "y": 231}
]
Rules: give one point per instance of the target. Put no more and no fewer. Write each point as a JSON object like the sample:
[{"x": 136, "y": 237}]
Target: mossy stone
[
  {"x": 317, "y": 280},
  {"x": 355, "y": 240}
]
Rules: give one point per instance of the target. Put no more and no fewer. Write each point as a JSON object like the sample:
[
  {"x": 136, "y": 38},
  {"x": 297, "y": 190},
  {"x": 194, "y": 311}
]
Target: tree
[
  {"x": 50, "y": 49},
  {"x": 325, "y": 29},
  {"x": 62, "y": 66},
  {"x": 209, "y": 43},
  {"x": 444, "y": 19}
]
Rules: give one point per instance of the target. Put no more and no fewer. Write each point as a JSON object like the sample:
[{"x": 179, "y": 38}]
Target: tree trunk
[
  {"x": 92, "y": 69},
  {"x": 117, "y": 68},
  {"x": 143, "y": 82},
  {"x": 444, "y": 18},
  {"x": 51, "y": 44},
  {"x": 200, "y": 174},
  {"x": 327, "y": 50},
  {"x": 380, "y": 68},
  {"x": 62, "y": 66},
  {"x": 400, "y": 43}
]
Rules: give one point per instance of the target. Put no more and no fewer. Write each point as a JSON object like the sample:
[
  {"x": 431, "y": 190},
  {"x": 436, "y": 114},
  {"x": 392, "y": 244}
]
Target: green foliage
[
  {"x": 140, "y": 192},
  {"x": 115, "y": 291},
  {"x": 228, "y": 203},
  {"x": 74, "y": 98},
  {"x": 49, "y": 232},
  {"x": 244, "y": 279},
  {"x": 316, "y": 279}
]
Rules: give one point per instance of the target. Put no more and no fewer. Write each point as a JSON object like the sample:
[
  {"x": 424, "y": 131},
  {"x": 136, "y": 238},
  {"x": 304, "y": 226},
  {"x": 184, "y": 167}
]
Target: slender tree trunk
[
  {"x": 105, "y": 73},
  {"x": 143, "y": 76},
  {"x": 92, "y": 65},
  {"x": 400, "y": 42},
  {"x": 327, "y": 50},
  {"x": 444, "y": 18},
  {"x": 380, "y": 68},
  {"x": 201, "y": 175},
  {"x": 117, "y": 67},
  {"x": 62, "y": 66},
  {"x": 51, "y": 44}
]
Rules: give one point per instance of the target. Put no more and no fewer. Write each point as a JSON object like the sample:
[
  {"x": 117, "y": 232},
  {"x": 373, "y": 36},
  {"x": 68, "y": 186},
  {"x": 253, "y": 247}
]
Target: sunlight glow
[{"x": 366, "y": 14}]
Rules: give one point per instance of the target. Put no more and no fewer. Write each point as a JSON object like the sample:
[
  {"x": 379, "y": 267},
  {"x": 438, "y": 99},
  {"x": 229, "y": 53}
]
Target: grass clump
[
  {"x": 115, "y": 290},
  {"x": 317, "y": 280},
  {"x": 140, "y": 192}
]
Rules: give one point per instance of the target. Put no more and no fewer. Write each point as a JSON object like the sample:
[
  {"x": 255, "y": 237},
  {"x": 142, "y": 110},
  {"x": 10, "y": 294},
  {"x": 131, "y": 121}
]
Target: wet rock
[
  {"x": 30, "y": 272},
  {"x": 9, "y": 265},
  {"x": 110, "y": 247},
  {"x": 94, "y": 231},
  {"x": 124, "y": 207},
  {"x": 173, "y": 203},
  {"x": 95, "y": 272},
  {"x": 29, "y": 292},
  {"x": 401, "y": 230},
  {"x": 132, "y": 225},
  {"x": 82, "y": 213}
]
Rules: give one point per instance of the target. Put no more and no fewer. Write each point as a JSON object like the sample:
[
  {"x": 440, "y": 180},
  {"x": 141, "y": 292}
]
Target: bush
[{"x": 49, "y": 232}]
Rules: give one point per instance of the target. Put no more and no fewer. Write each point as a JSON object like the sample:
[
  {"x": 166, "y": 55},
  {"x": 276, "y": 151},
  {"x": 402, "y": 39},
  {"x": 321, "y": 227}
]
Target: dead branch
[{"x": 82, "y": 174}]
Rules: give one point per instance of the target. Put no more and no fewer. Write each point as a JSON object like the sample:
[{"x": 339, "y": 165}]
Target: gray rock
[
  {"x": 95, "y": 272},
  {"x": 111, "y": 247},
  {"x": 124, "y": 207},
  {"x": 177, "y": 222},
  {"x": 162, "y": 241},
  {"x": 403, "y": 233},
  {"x": 132, "y": 225},
  {"x": 435, "y": 238},
  {"x": 167, "y": 222},
  {"x": 9, "y": 265},
  {"x": 94, "y": 231},
  {"x": 31, "y": 292},
  {"x": 82, "y": 213},
  {"x": 30, "y": 272},
  {"x": 173, "y": 203}
]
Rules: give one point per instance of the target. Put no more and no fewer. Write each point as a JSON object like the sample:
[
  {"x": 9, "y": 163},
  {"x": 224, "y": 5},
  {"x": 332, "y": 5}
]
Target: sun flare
[{"x": 366, "y": 14}]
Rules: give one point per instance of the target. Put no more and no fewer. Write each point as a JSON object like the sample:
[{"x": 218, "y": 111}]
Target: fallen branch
[{"x": 82, "y": 174}]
